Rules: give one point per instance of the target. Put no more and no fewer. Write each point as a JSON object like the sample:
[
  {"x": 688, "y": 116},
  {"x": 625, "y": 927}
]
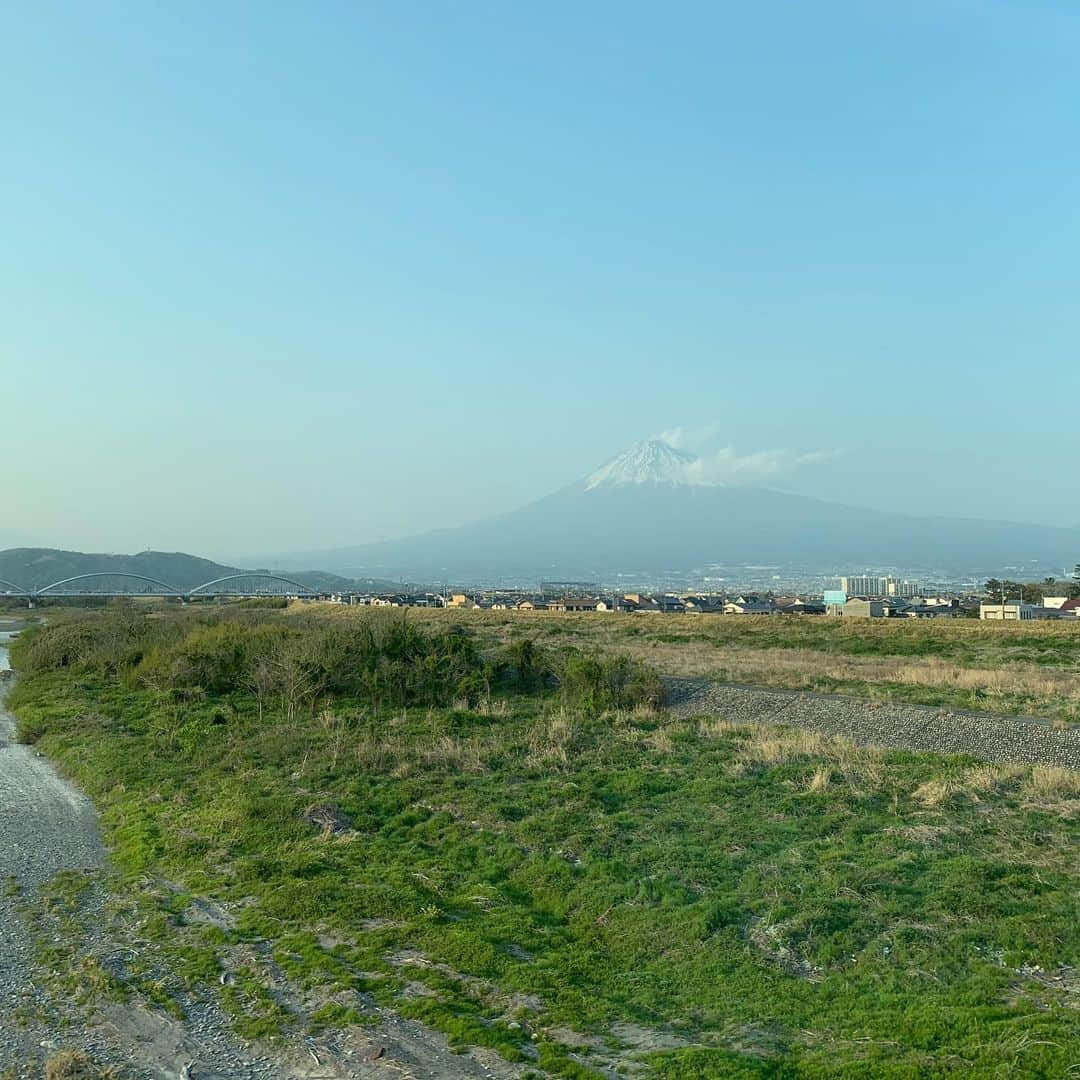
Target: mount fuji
[
  {"x": 651, "y": 462},
  {"x": 652, "y": 509}
]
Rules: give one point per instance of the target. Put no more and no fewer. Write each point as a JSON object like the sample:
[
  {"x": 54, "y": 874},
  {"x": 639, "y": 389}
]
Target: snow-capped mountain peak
[{"x": 651, "y": 462}]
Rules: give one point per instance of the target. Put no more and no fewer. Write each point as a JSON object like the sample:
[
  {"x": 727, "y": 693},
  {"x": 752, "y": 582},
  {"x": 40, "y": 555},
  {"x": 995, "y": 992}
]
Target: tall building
[
  {"x": 904, "y": 588},
  {"x": 872, "y": 585},
  {"x": 864, "y": 585}
]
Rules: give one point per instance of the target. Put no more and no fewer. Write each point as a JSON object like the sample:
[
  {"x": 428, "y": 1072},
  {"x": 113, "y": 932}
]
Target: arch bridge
[{"x": 110, "y": 583}]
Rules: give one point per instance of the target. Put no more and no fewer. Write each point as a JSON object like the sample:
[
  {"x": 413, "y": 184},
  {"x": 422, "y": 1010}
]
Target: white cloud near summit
[{"x": 725, "y": 465}]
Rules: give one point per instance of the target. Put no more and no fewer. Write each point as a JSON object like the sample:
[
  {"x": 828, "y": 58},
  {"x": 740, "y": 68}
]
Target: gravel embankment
[
  {"x": 896, "y": 726},
  {"x": 45, "y": 826}
]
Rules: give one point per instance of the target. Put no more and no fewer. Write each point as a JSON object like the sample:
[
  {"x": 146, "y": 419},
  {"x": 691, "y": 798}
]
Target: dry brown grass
[
  {"x": 659, "y": 741},
  {"x": 798, "y": 669},
  {"x": 375, "y": 755},
  {"x": 936, "y": 793},
  {"x": 717, "y": 727},
  {"x": 1051, "y": 789},
  {"x": 993, "y": 779},
  {"x": 600, "y": 625},
  {"x": 921, "y": 833},
  {"x": 75, "y": 1065},
  {"x": 774, "y": 746},
  {"x": 1053, "y": 782},
  {"x": 859, "y": 768},
  {"x": 457, "y": 755},
  {"x": 1048, "y": 786},
  {"x": 552, "y": 739}
]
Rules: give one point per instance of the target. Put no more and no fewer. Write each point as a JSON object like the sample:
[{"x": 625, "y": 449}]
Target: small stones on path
[{"x": 880, "y": 723}]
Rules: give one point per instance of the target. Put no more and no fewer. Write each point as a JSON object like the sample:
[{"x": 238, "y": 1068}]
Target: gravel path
[
  {"x": 897, "y": 726},
  {"x": 45, "y": 826}
]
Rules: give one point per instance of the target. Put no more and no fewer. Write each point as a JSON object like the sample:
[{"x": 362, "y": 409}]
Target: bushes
[
  {"x": 592, "y": 682},
  {"x": 382, "y": 661},
  {"x": 524, "y": 665},
  {"x": 596, "y": 683},
  {"x": 379, "y": 662},
  {"x": 54, "y": 647},
  {"x": 105, "y": 642},
  {"x": 217, "y": 658}
]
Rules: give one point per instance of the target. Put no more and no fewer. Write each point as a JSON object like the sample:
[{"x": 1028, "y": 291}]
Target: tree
[
  {"x": 262, "y": 680},
  {"x": 1031, "y": 594},
  {"x": 291, "y": 678},
  {"x": 1006, "y": 591}
]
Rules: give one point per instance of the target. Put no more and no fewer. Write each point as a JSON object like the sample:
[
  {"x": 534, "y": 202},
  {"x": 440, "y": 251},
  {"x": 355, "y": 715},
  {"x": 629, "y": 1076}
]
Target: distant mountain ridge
[
  {"x": 647, "y": 510},
  {"x": 34, "y": 568}
]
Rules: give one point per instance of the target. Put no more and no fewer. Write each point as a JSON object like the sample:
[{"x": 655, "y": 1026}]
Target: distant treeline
[{"x": 1032, "y": 592}]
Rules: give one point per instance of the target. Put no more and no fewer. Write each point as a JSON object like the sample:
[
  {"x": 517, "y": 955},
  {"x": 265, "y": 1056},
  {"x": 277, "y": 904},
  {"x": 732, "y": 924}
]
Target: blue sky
[{"x": 293, "y": 276}]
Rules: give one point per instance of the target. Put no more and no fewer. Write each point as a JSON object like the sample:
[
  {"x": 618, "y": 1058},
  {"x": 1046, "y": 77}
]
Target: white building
[
  {"x": 1014, "y": 612},
  {"x": 873, "y": 585}
]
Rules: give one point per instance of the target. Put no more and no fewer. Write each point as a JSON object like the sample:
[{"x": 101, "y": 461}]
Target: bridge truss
[{"x": 109, "y": 583}]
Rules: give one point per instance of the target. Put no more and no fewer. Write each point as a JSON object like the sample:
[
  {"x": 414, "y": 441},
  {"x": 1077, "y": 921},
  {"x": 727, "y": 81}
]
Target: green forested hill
[{"x": 34, "y": 568}]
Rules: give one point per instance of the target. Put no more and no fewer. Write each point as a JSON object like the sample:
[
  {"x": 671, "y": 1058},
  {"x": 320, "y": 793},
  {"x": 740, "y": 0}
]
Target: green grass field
[{"x": 503, "y": 837}]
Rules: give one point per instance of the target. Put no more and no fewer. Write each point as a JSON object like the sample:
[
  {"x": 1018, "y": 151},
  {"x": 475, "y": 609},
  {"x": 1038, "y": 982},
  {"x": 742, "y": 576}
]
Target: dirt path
[{"x": 876, "y": 723}]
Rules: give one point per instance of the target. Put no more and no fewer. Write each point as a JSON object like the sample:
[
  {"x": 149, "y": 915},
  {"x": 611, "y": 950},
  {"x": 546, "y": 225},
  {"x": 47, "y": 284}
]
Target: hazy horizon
[{"x": 285, "y": 280}]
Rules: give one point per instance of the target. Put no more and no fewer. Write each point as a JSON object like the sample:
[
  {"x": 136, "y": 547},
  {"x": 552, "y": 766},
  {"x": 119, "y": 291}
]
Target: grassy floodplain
[
  {"x": 1030, "y": 668},
  {"x": 485, "y": 823}
]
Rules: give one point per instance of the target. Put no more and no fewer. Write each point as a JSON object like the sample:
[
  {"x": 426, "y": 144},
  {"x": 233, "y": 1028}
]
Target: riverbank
[
  {"x": 578, "y": 888},
  {"x": 47, "y": 827},
  {"x": 61, "y": 945}
]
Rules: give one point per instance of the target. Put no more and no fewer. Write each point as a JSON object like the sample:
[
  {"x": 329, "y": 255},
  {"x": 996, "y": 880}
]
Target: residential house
[
  {"x": 461, "y": 600},
  {"x": 701, "y": 603},
  {"x": 750, "y": 605},
  {"x": 670, "y": 603},
  {"x": 867, "y": 609},
  {"x": 794, "y": 605},
  {"x": 612, "y": 603},
  {"x": 640, "y": 602},
  {"x": 573, "y": 603}
]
